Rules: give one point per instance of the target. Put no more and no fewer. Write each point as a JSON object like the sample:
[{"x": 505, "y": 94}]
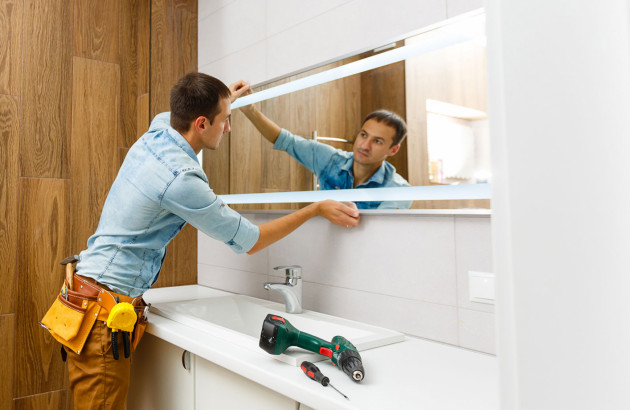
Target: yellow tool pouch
[{"x": 70, "y": 320}]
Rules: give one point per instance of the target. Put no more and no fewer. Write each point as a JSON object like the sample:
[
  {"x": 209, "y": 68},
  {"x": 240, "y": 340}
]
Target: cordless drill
[{"x": 277, "y": 335}]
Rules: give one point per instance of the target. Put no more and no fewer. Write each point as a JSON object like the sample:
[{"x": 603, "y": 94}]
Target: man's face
[
  {"x": 374, "y": 143},
  {"x": 213, "y": 133}
]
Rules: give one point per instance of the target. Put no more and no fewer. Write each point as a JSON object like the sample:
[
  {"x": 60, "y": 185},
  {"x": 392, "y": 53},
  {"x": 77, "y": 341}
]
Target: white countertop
[{"x": 413, "y": 374}]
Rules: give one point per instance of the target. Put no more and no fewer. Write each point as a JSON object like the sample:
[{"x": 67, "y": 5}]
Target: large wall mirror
[{"x": 441, "y": 94}]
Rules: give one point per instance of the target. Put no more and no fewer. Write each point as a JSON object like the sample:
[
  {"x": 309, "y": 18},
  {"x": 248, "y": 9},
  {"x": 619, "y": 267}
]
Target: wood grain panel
[
  {"x": 216, "y": 165},
  {"x": 144, "y": 45},
  {"x": 9, "y": 134},
  {"x": 143, "y": 120},
  {"x": 45, "y": 103},
  {"x": 54, "y": 400},
  {"x": 173, "y": 47},
  {"x": 173, "y": 52},
  {"x": 42, "y": 242},
  {"x": 7, "y": 334},
  {"x": 384, "y": 88},
  {"x": 180, "y": 264},
  {"x": 96, "y": 29},
  {"x": 95, "y": 162},
  {"x": 129, "y": 38},
  {"x": 10, "y": 46}
]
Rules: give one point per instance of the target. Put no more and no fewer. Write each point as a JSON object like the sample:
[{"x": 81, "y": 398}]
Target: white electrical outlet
[{"x": 481, "y": 287}]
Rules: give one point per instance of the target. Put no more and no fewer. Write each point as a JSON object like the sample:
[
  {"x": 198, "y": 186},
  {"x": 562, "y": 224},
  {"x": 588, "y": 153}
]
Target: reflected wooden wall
[{"x": 76, "y": 92}]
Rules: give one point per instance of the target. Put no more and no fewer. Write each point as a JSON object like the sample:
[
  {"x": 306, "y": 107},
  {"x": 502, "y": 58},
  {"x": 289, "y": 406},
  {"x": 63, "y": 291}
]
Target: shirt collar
[
  {"x": 182, "y": 142},
  {"x": 378, "y": 177}
]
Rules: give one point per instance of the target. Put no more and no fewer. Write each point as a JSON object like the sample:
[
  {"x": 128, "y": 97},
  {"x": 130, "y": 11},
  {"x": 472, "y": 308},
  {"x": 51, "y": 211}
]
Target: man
[
  {"x": 160, "y": 187},
  {"x": 380, "y": 137}
]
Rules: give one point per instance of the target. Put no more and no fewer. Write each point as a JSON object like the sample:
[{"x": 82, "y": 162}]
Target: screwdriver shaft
[{"x": 338, "y": 391}]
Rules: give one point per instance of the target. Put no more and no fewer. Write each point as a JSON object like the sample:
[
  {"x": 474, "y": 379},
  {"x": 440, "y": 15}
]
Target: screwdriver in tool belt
[{"x": 313, "y": 373}]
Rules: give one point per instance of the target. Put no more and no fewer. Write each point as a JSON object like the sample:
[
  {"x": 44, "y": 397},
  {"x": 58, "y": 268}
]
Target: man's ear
[
  {"x": 393, "y": 150},
  {"x": 201, "y": 123}
]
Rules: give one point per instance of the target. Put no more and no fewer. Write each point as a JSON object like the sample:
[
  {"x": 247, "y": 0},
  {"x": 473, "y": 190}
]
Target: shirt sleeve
[
  {"x": 314, "y": 155},
  {"x": 191, "y": 198}
]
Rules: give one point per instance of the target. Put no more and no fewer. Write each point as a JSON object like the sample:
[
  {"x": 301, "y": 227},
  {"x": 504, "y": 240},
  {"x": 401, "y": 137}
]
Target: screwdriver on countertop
[{"x": 313, "y": 373}]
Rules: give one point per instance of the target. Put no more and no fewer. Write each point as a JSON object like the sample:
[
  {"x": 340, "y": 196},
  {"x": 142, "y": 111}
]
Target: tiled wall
[
  {"x": 404, "y": 272},
  {"x": 258, "y": 40}
]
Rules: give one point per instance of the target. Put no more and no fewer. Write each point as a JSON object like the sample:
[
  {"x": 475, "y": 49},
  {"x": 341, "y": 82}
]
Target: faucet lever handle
[{"x": 291, "y": 271}]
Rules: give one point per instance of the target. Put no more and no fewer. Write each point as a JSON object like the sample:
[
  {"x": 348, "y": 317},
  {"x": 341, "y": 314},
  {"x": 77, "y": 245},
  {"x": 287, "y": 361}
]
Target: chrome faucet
[{"x": 291, "y": 289}]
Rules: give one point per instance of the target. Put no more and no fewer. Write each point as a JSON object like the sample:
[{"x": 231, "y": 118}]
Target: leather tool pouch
[
  {"x": 138, "y": 331},
  {"x": 70, "y": 320}
]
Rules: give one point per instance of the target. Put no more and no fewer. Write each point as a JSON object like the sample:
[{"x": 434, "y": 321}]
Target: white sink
[{"x": 239, "y": 319}]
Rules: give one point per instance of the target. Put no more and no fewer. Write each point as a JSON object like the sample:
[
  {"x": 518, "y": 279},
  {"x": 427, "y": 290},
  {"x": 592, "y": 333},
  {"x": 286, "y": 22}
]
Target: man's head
[
  {"x": 200, "y": 105},
  {"x": 380, "y": 137}
]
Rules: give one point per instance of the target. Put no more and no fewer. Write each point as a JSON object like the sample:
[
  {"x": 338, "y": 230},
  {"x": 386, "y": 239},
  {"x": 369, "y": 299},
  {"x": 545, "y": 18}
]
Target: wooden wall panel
[
  {"x": 10, "y": 46},
  {"x": 96, "y": 29},
  {"x": 42, "y": 242},
  {"x": 180, "y": 264},
  {"x": 173, "y": 47},
  {"x": 9, "y": 134},
  {"x": 135, "y": 20},
  {"x": 7, "y": 329},
  {"x": 143, "y": 58},
  {"x": 95, "y": 124},
  {"x": 129, "y": 37},
  {"x": 173, "y": 54},
  {"x": 45, "y": 102},
  {"x": 54, "y": 400},
  {"x": 384, "y": 88}
]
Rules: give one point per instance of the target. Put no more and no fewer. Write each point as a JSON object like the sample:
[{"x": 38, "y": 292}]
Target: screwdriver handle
[{"x": 313, "y": 373}]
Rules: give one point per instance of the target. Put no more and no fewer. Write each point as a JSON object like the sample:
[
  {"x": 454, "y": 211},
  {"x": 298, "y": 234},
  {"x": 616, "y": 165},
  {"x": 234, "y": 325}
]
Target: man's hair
[
  {"x": 195, "y": 95},
  {"x": 391, "y": 119}
]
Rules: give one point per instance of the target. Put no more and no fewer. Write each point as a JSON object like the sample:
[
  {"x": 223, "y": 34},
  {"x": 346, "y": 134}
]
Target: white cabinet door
[
  {"x": 158, "y": 378},
  {"x": 218, "y": 388}
]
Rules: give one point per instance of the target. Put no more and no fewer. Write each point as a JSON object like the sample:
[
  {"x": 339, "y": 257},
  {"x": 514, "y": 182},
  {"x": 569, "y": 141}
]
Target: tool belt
[{"x": 73, "y": 313}]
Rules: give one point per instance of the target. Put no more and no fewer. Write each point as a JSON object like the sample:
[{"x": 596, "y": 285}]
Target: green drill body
[{"x": 278, "y": 334}]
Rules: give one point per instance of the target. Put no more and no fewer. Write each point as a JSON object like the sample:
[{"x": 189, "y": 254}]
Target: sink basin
[{"x": 239, "y": 319}]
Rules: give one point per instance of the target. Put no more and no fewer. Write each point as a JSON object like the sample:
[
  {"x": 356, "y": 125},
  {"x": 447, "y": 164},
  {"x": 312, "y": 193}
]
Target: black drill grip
[{"x": 313, "y": 373}]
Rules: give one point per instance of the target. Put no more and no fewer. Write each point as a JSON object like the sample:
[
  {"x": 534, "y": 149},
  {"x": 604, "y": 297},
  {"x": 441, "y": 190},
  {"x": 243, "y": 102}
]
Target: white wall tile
[
  {"x": 354, "y": 26},
  {"x": 216, "y": 253},
  {"x": 382, "y": 255},
  {"x": 239, "y": 24},
  {"x": 247, "y": 64},
  {"x": 283, "y": 14},
  {"x": 207, "y": 7},
  {"x": 473, "y": 251},
  {"x": 477, "y": 330},
  {"x": 232, "y": 280},
  {"x": 428, "y": 320},
  {"x": 456, "y": 7}
]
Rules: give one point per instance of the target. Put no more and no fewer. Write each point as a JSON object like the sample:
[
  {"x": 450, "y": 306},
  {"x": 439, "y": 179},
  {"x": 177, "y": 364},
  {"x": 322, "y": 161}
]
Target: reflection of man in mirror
[{"x": 380, "y": 137}]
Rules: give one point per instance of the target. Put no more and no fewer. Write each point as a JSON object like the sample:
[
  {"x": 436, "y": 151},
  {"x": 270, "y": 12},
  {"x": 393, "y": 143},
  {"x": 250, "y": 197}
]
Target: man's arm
[
  {"x": 334, "y": 211},
  {"x": 269, "y": 129}
]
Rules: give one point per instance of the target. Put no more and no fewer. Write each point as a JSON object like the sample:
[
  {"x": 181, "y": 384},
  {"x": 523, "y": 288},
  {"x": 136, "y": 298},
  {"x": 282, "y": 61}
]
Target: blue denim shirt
[
  {"x": 333, "y": 167},
  {"x": 159, "y": 188}
]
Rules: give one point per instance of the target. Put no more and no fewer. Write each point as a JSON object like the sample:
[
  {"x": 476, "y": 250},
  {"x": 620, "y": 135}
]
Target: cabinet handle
[{"x": 186, "y": 360}]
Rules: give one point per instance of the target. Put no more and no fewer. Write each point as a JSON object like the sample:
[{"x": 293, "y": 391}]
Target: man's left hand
[{"x": 238, "y": 89}]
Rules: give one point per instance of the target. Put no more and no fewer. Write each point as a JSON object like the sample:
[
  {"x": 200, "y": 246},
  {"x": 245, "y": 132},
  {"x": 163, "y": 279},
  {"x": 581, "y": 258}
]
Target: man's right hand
[{"x": 339, "y": 213}]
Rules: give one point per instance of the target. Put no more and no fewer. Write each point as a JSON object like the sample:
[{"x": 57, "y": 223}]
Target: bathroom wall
[
  {"x": 259, "y": 40},
  {"x": 404, "y": 272},
  {"x": 75, "y": 93}
]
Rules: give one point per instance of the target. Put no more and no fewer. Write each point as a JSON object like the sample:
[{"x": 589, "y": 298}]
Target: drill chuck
[{"x": 351, "y": 365}]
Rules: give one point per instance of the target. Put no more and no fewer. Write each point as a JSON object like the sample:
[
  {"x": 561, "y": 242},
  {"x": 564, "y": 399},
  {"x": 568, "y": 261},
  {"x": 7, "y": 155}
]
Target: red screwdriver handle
[{"x": 313, "y": 373}]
